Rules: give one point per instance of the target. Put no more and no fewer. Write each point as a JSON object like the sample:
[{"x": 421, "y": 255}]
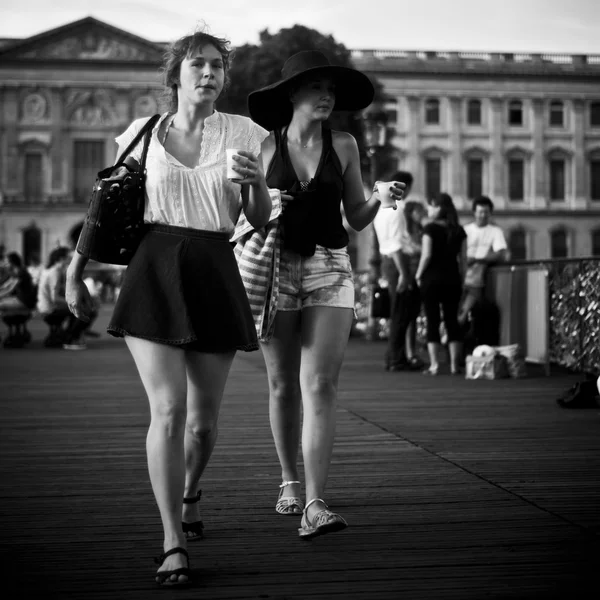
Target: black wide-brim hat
[{"x": 271, "y": 107}]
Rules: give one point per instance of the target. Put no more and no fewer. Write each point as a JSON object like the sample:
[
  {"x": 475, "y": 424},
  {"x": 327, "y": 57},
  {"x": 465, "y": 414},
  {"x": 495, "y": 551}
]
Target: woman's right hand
[
  {"x": 285, "y": 199},
  {"x": 78, "y": 299}
]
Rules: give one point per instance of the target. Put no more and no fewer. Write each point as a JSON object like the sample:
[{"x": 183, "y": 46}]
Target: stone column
[
  {"x": 539, "y": 195},
  {"x": 11, "y": 119},
  {"x": 577, "y": 192},
  {"x": 56, "y": 151},
  {"x": 496, "y": 166},
  {"x": 413, "y": 160},
  {"x": 455, "y": 159}
]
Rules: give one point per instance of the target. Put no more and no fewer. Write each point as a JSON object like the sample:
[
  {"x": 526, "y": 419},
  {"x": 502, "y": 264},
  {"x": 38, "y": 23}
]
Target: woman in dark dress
[{"x": 439, "y": 276}]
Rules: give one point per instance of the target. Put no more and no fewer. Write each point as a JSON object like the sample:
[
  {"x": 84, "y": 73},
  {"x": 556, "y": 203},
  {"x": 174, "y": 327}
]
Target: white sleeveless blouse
[{"x": 202, "y": 197}]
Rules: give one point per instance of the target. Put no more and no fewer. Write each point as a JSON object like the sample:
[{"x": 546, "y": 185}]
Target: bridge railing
[{"x": 550, "y": 307}]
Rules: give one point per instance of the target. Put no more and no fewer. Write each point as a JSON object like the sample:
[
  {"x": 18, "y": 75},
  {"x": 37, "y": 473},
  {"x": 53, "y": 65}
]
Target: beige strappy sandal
[
  {"x": 325, "y": 521},
  {"x": 291, "y": 505}
]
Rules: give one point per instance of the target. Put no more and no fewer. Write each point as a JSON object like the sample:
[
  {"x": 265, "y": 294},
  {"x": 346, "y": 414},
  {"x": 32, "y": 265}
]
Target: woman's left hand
[{"x": 249, "y": 168}]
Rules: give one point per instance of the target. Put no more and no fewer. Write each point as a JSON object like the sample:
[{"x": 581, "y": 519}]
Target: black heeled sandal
[
  {"x": 193, "y": 531},
  {"x": 163, "y": 578}
]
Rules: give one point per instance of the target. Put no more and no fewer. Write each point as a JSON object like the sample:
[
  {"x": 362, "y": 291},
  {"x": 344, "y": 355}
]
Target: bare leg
[
  {"x": 282, "y": 358},
  {"x": 455, "y": 356},
  {"x": 325, "y": 332},
  {"x": 206, "y": 378},
  {"x": 162, "y": 371},
  {"x": 433, "y": 348},
  {"x": 411, "y": 340}
]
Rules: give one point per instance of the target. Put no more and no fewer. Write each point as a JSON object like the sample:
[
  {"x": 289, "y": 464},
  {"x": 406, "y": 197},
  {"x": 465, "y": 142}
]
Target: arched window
[
  {"x": 515, "y": 113},
  {"x": 557, "y": 114},
  {"x": 433, "y": 171},
  {"x": 474, "y": 112},
  {"x": 432, "y": 111},
  {"x": 594, "y": 170},
  {"x": 559, "y": 246},
  {"x": 557, "y": 178},
  {"x": 596, "y": 242},
  {"x": 87, "y": 155},
  {"x": 32, "y": 244},
  {"x": 595, "y": 113},
  {"x": 475, "y": 172},
  {"x": 517, "y": 244},
  {"x": 558, "y": 175},
  {"x": 517, "y": 181},
  {"x": 33, "y": 177}
]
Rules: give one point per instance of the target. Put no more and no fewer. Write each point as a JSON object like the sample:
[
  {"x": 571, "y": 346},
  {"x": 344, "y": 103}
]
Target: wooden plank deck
[{"x": 453, "y": 489}]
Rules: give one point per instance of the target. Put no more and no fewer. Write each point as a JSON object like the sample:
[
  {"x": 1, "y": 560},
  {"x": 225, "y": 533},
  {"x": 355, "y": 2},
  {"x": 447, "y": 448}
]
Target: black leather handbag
[{"x": 114, "y": 225}]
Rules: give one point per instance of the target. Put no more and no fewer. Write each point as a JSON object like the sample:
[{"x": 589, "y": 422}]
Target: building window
[
  {"x": 596, "y": 242},
  {"x": 515, "y": 113},
  {"x": 88, "y": 160},
  {"x": 557, "y": 114},
  {"x": 474, "y": 177},
  {"x": 516, "y": 179},
  {"x": 32, "y": 244},
  {"x": 595, "y": 179},
  {"x": 557, "y": 179},
  {"x": 558, "y": 244},
  {"x": 595, "y": 114},
  {"x": 33, "y": 182},
  {"x": 474, "y": 112},
  {"x": 432, "y": 111},
  {"x": 433, "y": 177},
  {"x": 517, "y": 244}
]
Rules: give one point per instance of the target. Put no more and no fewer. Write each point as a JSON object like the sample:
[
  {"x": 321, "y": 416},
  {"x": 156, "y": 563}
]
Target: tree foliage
[{"x": 255, "y": 66}]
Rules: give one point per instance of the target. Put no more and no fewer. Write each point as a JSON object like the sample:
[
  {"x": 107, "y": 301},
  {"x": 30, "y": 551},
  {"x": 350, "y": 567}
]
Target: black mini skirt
[{"x": 183, "y": 288}]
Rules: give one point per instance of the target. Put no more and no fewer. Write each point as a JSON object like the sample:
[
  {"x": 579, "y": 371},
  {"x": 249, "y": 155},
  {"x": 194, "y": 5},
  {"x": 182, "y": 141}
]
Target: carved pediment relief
[
  {"x": 88, "y": 39},
  {"x": 90, "y": 47},
  {"x": 91, "y": 107}
]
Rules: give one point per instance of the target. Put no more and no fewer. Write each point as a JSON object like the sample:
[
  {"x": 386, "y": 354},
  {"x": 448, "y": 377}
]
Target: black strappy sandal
[
  {"x": 163, "y": 578},
  {"x": 193, "y": 531}
]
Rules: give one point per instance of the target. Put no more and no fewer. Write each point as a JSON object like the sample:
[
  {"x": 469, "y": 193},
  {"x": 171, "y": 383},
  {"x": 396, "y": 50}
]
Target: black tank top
[{"x": 314, "y": 216}]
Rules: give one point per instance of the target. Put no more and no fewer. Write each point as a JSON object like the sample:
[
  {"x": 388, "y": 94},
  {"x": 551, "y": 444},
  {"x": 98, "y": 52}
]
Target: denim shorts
[{"x": 324, "y": 279}]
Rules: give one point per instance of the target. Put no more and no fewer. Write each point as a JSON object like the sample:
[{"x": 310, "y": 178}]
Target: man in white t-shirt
[
  {"x": 486, "y": 246},
  {"x": 390, "y": 229}
]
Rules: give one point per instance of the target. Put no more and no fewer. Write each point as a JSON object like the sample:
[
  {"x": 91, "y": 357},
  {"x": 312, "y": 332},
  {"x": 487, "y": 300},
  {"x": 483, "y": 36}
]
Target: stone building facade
[
  {"x": 64, "y": 96},
  {"x": 523, "y": 129}
]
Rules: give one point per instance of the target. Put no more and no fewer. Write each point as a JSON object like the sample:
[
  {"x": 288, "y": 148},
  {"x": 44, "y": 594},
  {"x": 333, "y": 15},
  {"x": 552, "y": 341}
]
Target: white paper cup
[
  {"x": 231, "y": 174},
  {"x": 383, "y": 187}
]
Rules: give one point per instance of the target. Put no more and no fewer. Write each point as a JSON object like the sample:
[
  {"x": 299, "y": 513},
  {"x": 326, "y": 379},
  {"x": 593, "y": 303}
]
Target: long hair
[
  {"x": 409, "y": 207},
  {"x": 447, "y": 214},
  {"x": 182, "y": 49}
]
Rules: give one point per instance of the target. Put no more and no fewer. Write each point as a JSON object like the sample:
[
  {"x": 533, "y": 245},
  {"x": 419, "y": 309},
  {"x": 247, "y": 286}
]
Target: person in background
[
  {"x": 439, "y": 276},
  {"x": 17, "y": 292},
  {"x": 35, "y": 269},
  {"x": 390, "y": 230},
  {"x": 51, "y": 303},
  {"x": 486, "y": 246},
  {"x": 401, "y": 352}
]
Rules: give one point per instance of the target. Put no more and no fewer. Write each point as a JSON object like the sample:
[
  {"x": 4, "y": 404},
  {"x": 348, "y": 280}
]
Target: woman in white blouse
[{"x": 183, "y": 310}]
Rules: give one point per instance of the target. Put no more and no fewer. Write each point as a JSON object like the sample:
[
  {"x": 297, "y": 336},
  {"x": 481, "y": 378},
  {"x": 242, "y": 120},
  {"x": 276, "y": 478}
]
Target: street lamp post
[{"x": 375, "y": 133}]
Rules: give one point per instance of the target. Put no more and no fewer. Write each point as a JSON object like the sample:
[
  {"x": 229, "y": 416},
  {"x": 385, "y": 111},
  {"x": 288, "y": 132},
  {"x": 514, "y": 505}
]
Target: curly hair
[{"x": 183, "y": 48}]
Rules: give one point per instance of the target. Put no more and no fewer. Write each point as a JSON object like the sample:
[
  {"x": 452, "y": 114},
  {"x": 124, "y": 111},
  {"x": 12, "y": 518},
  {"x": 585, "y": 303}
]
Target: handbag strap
[{"x": 144, "y": 131}]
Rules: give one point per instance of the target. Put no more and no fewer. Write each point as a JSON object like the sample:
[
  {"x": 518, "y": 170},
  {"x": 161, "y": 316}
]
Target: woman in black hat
[
  {"x": 316, "y": 169},
  {"x": 182, "y": 309}
]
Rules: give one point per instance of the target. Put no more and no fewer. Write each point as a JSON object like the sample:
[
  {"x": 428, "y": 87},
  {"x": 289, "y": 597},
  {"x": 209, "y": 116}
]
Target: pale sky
[{"x": 570, "y": 26}]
